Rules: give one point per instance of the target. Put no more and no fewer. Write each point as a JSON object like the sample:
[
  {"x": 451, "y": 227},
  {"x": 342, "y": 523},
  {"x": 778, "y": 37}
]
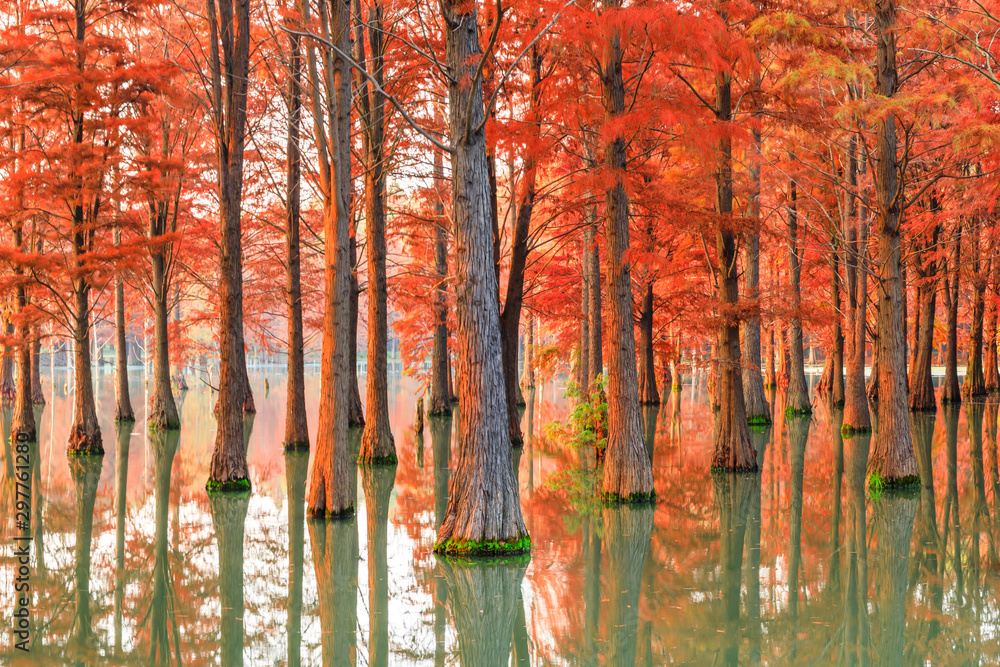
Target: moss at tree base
[
  {"x": 345, "y": 513},
  {"x": 168, "y": 426},
  {"x": 390, "y": 460},
  {"x": 481, "y": 548},
  {"x": 759, "y": 420},
  {"x": 675, "y": 389},
  {"x": 439, "y": 413},
  {"x": 927, "y": 409},
  {"x": 849, "y": 431},
  {"x": 631, "y": 499},
  {"x": 241, "y": 485},
  {"x": 125, "y": 420},
  {"x": 297, "y": 446},
  {"x": 737, "y": 470},
  {"x": 92, "y": 450},
  {"x": 797, "y": 412},
  {"x": 879, "y": 485}
]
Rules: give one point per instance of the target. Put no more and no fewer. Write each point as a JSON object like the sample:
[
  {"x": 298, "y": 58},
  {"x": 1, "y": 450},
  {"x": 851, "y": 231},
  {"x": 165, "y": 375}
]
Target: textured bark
[
  {"x": 921, "y": 380},
  {"x": 770, "y": 374},
  {"x": 892, "y": 454},
  {"x": 355, "y": 411},
  {"x": 123, "y": 436},
  {"x": 757, "y": 409},
  {"x": 835, "y": 355},
  {"x": 949, "y": 386},
  {"x": 628, "y": 474},
  {"x": 975, "y": 382},
  {"x": 797, "y": 399},
  {"x": 163, "y": 413},
  {"x": 483, "y": 597},
  {"x": 893, "y": 526},
  {"x": 378, "y": 482},
  {"x": 483, "y": 503},
  {"x": 734, "y": 495},
  {"x": 583, "y": 364},
  {"x": 22, "y": 428},
  {"x": 37, "y": 396},
  {"x": 991, "y": 376},
  {"x": 857, "y": 633},
  {"x": 440, "y": 362},
  {"x": 731, "y": 439},
  {"x": 330, "y": 491},
  {"x": 798, "y": 436},
  {"x": 335, "y": 558},
  {"x": 163, "y": 605},
  {"x": 593, "y": 269},
  {"x": 591, "y": 589},
  {"x": 234, "y": 397},
  {"x": 952, "y": 515},
  {"x": 377, "y": 443},
  {"x": 7, "y": 388},
  {"x": 627, "y": 531},
  {"x": 648, "y": 393},
  {"x": 296, "y": 424},
  {"x": 85, "y": 432},
  {"x": 296, "y": 470},
  {"x": 123, "y": 404},
  {"x": 85, "y": 471}
]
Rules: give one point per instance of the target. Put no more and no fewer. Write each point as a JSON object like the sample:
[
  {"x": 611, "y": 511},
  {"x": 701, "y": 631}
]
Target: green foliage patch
[
  {"x": 297, "y": 446},
  {"x": 631, "y": 499},
  {"x": 879, "y": 485},
  {"x": 241, "y": 485},
  {"x": 93, "y": 450},
  {"x": 378, "y": 460},
  {"x": 478, "y": 548}
]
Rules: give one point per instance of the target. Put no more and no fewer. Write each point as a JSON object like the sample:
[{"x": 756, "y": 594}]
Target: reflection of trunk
[
  {"x": 483, "y": 597},
  {"x": 857, "y": 635},
  {"x": 833, "y": 583},
  {"x": 86, "y": 474},
  {"x": 627, "y": 531},
  {"x": 229, "y": 512},
  {"x": 949, "y": 386},
  {"x": 798, "y": 434},
  {"x": 483, "y": 506},
  {"x": 296, "y": 469},
  {"x": 797, "y": 400},
  {"x": 893, "y": 525},
  {"x": 951, "y": 515},
  {"x": 974, "y": 413},
  {"x": 378, "y": 483},
  {"x": 591, "y": 589},
  {"x": 335, "y": 557},
  {"x": 163, "y": 605},
  {"x": 754, "y": 629},
  {"x": 975, "y": 383},
  {"x": 123, "y": 435},
  {"x": 441, "y": 444},
  {"x": 522, "y": 654},
  {"x": 734, "y": 497},
  {"x": 990, "y": 426}
]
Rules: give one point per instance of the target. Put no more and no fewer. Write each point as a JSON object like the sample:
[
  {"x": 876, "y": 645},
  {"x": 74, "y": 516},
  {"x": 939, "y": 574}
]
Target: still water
[{"x": 133, "y": 564}]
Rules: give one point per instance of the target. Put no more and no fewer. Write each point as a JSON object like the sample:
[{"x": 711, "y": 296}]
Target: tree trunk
[
  {"x": 627, "y": 533},
  {"x": 628, "y": 475},
  {"x": 584, "y": 377},
  {"x": 163, "y": 601},
  {"x": 648, "y": 394},
  {"x": 355, "y": 411},
  {"x": 484, "y": 510},
  {"x": 85, "y": 432},
  {"x": 37, "y": 396},
  {"x": 892, "y": 455},
  {"x": 770, "y": 375},
  {"x": 797, "y": 399},
  {"x": 893, "y": 525},
  {"x": 921, "y": 379},
  {"x": 22, "y": 428},
  {"x": 990, "y": 371},
  {"x": 837, "y": 388},
  {"x": 593, "y": 269},
  {"x": 734, "y": 494},
  {"x": 228, "y": 467},
  {"x": 949, "y": 387},
  {"x": 296, "y": 424},
  {"x": 975, "y": 382},
  {"x": 163, "y": 412},
  {"x": 7, "y": 389},
  {"x": 123, "y": 404},
  {"x": 335, "y": 558},
  {"x": 440, "y": 364},
  {"x": 529, "y": 355},
  {"x": 856, "y": 415},
  {"x": 731, "y": 439},
  {"x": 378, "y": 483}
]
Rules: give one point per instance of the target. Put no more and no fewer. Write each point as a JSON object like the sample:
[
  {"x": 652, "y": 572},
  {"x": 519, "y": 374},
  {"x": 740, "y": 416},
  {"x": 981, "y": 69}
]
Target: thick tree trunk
[
  {"x": 123, "y": 404},
  {"x": 593, "y": 269},
  {"x": 228, "y": 467},
  {"x": 377, "y": 443},
  {"x": 975, "y": 382},
  {"x": 797, "y": 399},
  {"x": 85, "y": 432},
  {"x": 335, "y": 558},
  {"x": 296, "y": 424},
  {"x": 950, "y": 392},
  {"x": 921, "y": 379},
  {"x": 484, "y": 510},
  {"x": 378, "y": 483},
  {"x": 892, "y": 454},
  {"x": 731, "y": 439},
  {"x": 856, "y": 415},
  {"x": 892, "y": 521},
  {"x": 441, "y": 393},
  {"x": 628, "y": 475},
  {"x": 648, "y": 393}
]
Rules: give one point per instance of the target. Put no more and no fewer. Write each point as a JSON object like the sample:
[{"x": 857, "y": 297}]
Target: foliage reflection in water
[{"x": 133, "y": 563}]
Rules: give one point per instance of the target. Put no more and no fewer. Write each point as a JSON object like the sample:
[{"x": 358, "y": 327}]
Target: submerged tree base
[
  {"x": 745, "y": 469},
  {"x": 849, "y": 431},
  {"x": 390, "y": 460},
  {"x": 297, "y": 446},
  {"x": 759, "y": 420},
  {"x": 128, "y": 419},
  {"x": 96, "y": 449},
  {"x": 797, "y": 412},
  {"x": 345, "y": 513},
  {"x": 640, "y": 498},
  {"x": 880, "y": 485},
  {"x": 167, "y": 426},
  {"x": 479, "y": 548},
  {"x": 241, "y": 485}
]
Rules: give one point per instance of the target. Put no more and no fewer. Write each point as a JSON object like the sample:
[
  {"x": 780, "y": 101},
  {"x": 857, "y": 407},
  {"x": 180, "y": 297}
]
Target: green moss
[
  {"x": 759, "y": 420},
  {"x": 169, "y": 426},
  {"x": 951, "y": 401},
  {"x": 297, "y": 446},
  {"x": 345, "y": 513},
  {"x": 439, "y": 413},
  {"x": 797, "y": 412},
  {"x": 849, "y": 431},
  {"x": 879, "y": 485},
  {"x": 676, "y": 389},
  {"x": 94, "y": 450},
  {"x": 479, "y": 548},
  {"x": 390, "y": 460},
  {"x": 759, "y": 428},
  {"x": 632, "y": 499},
  {"x": 125, "y": 420},
  {"x": 241, "y": 485},
  {"x": 518, "y": 442}
]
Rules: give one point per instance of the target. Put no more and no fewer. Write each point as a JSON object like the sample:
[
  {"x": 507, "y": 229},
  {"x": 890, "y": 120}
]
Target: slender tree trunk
[
  {"x": 757, "y": 409},
  {"x": 648, "y": 394},
  {"x": 975, "y": 382},
  {"x": 584, "y": 379},
  {"x": 123, "y": 404},
  {"x": 628, "y": 475},
  {"x": 593, "y": 269},
  {"x": 22, "y": 428},
  {"x": 529, "y": 354},
  {"x": 797, "y": 400},
  {"x": 296, "y": 424},
  {"x": 440, "y": 364},
  {"x": 163, "y": 414},
  {"x": 837, "y": 387},
  {"x": 990, "y": 371},
  {"x": 37, "y": 396},
  {"x": 921, "y": 380},
  {"x": 949, "y": 387},
  {"x": 856, "y": 414},
  {"x": 7, "y": 389},
  {"x": 484, "y": 510},
  {"x": 228, "y": 467},
  {"x": 85, "y": 432},
  {"x": 892, "y": 456},
  {"x": 355, "y": 411},
  {"x": 770, "y": 375},
  {"x": 296, "y": 470},
  {"x": 377, "y": 443}
]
